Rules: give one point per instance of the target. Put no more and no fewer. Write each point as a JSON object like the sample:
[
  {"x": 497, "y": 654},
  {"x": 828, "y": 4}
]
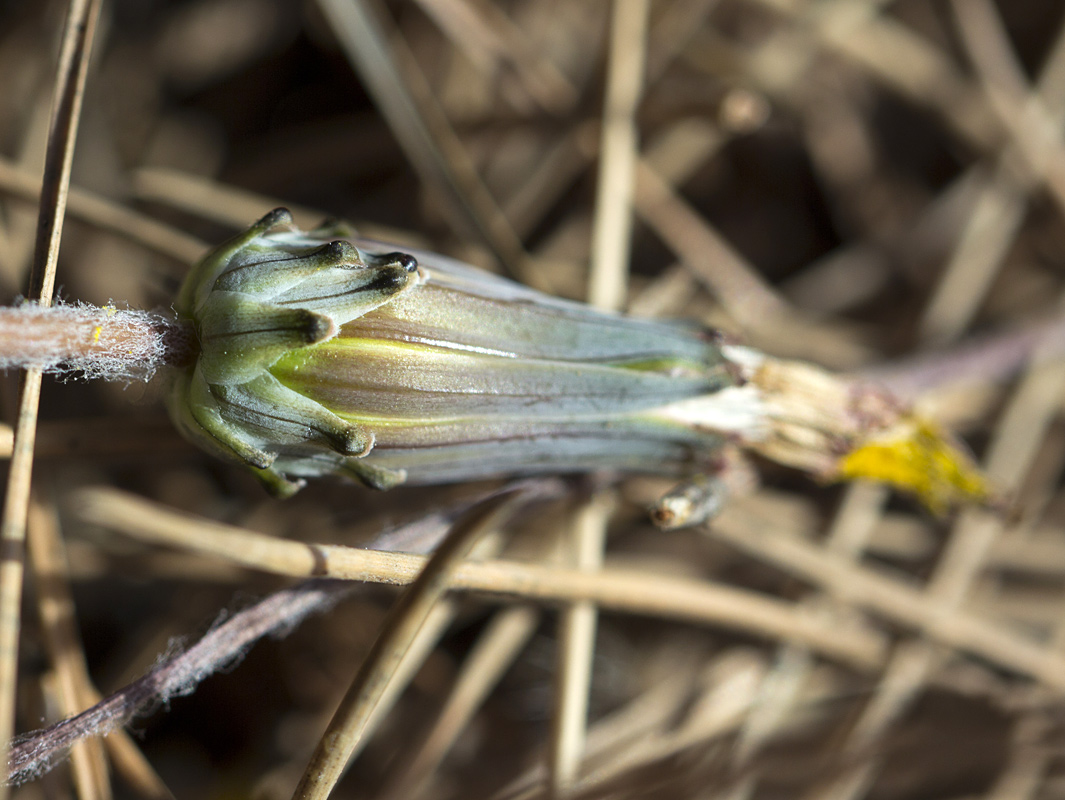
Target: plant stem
[{"x": 95, "y": 342}]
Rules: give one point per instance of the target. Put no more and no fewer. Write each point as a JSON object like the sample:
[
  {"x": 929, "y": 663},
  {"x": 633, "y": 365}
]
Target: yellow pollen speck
[
  {"x": 96, "y": 334},
  {"x": 915, "y": 455}
]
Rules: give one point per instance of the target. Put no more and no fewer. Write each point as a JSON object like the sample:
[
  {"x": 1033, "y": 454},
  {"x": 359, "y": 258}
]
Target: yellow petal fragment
[{"x": 917, "y": 456}]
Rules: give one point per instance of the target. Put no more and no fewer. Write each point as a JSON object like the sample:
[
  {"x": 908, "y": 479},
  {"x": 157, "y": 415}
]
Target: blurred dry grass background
[{"x": 854, "y": 182}]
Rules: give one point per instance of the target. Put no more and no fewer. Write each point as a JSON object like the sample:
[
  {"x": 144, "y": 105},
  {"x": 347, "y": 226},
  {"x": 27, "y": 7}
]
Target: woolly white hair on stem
[{"x": 88, "y": 341}]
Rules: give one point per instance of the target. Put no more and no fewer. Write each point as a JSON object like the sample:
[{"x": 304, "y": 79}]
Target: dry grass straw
[
  {"x": 608, "y": 284},
  {"x": 66, "y": 113},
  {"x": 345, "y": 733},
  {"x": 404, "y": 97},
  {"x": 623, "y": 589},
  {"x": 48, "y": 563},
  {"x": 109, "y": 216},
  {"x": 854, "y": 182}
]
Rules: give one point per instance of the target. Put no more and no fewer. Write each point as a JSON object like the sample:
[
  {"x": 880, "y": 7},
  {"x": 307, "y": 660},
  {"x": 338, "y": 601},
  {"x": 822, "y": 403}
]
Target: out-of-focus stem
[
  {"x": 96, "y": 342},
  {"x": 993, "y": 358}
]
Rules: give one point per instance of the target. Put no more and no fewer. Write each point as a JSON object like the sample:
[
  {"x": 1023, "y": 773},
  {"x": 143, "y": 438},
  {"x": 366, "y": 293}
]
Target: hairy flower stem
[{"x": 95, "y": 342}]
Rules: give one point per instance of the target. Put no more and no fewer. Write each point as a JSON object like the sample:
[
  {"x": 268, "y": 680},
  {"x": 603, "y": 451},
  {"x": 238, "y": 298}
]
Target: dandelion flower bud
[{"x": 319, "y": 358}]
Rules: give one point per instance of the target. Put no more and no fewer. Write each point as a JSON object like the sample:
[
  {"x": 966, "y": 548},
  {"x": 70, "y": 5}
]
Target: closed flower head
[
  {"x": 321, "y": 357},
  {"x": 318, "y": 357}
]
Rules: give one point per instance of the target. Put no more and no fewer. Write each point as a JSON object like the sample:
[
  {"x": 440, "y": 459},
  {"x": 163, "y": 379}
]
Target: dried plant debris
[{"x": 863, "y": 200}]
